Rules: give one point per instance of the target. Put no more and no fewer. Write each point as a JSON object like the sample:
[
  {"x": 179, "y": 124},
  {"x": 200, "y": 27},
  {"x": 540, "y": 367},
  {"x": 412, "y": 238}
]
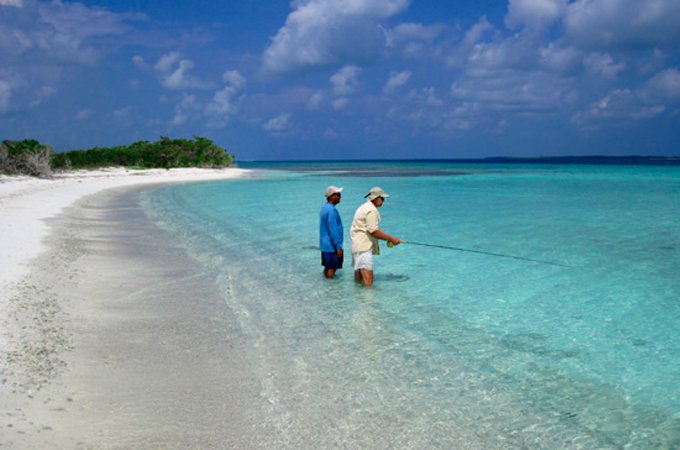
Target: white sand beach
[
  {"x": 25, "y": 203},
  {"x": 97, "y": 349}
]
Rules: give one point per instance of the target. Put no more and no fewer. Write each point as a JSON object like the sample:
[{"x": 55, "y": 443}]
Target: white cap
[
  {"x": 375, "y": 193},
  {"x": 330, "y": 190}
]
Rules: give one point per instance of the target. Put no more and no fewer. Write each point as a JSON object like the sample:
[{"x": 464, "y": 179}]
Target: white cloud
[
  {"x": 339, "y": 103},
  {"x": 534, "y": 13},
  {"x": 17, "y": 3},
  {"x": 167, "y": 61},
  {"x": 459, "y": 56},
  {"x": 620, "y": 104},
  {"x": 226, "y": 102},
  {"x": 234, "y": 79},
  {"x": 179, "y": 77},
  {"x": 456, "y": 124},
  {"x": 416, "y": 40},
  {"x": 139, "y": 62},
  {"x": 430, "y": 97},
  {"x": 477, "y": 32},
  {"x": 396, "y": 80},
  {"x": 173, "y": 72},
  {"x": 222, "y": 105},
  {"x": 14, "y": 42},
  {"x": 345, "y": 80},
  {"x": 65, "y": 31},
  {"x": 655, "y": 97},
  {"x": 490, "y": 58},
  {"x": 184, "y": 109},
  {"x": 80, "y": 21},
  {"x": 560, "y": 59},
  {"x": 426, "y": 96},
  {"x": 315, "y": 100},
  {"x": 42, "y": 94},
  {"x": 664, "y": 86},
  {"x": 57, "y": 32},
  {"x": 330, "y": 32},
  {"x": 413, "y": 31},
  {"x": 513, "y": 92},
  {"x": 603, "y": 65},
  {"x": 278, "y": 124},
  {"x": 623, "y": 23}
]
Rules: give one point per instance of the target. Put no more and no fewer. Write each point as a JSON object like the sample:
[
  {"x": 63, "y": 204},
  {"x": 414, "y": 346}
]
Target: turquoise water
[{"x": 454, "y": 349}]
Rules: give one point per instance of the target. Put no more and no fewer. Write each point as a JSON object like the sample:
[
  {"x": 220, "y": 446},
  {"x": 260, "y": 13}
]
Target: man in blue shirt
[{"x": 330, "y": 233}]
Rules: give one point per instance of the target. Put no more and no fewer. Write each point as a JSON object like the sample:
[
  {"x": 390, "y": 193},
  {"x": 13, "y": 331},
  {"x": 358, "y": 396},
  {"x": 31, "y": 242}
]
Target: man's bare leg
[
  {"x": 357, "y": 276},
  {"x": 364, "y": 276}
]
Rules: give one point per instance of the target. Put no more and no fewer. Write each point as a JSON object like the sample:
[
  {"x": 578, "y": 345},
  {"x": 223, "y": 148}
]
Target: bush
[
  {"x": 165, "y": 153},
  {"x": 27, "y": 157}
]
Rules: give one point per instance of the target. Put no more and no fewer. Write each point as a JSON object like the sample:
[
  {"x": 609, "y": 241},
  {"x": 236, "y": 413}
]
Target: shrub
[
  {"x": 165, "y": 153},
  {"x": 27, "y": 157}
]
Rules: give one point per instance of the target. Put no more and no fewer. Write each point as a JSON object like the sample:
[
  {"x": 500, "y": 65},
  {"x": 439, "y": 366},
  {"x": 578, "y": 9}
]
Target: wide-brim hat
[{"x": 376, "y": 192}]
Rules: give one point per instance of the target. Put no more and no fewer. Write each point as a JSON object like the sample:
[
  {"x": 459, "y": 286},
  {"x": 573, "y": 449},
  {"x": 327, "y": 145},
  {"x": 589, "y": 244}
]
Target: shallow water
[{"x": 454, "y": 349}]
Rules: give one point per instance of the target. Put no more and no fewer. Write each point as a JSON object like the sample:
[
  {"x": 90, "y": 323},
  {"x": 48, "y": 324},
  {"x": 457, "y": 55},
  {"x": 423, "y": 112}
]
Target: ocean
[{"x": 573, "y": 344}]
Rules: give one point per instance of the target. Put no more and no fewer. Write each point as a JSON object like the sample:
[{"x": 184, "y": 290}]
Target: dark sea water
[{"x": 453, "y": 349}]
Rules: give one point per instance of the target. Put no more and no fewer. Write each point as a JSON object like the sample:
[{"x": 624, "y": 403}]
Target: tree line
[{"x": 30, "y": 157}]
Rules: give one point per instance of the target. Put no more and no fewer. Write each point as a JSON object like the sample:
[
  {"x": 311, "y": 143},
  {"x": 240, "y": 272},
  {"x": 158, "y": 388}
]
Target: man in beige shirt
[{"x": 364, "y": 235}]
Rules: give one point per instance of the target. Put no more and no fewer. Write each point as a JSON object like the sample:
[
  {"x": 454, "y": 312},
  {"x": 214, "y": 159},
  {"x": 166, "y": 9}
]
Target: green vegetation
[
  {"x": 29, "y": 157},
  {"x": 165, "y": 153}
]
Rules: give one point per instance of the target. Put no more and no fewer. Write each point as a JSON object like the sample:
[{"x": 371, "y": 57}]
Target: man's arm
[
  {"x": 336, "y": 233},
  {"x": 380, "y": 234}
]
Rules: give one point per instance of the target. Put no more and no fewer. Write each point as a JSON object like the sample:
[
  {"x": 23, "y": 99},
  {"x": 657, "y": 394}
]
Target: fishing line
[{"x": 459, "y": 249}]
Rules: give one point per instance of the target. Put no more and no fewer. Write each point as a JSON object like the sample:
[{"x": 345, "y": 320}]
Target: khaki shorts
[{"x": 363, "y": 260}]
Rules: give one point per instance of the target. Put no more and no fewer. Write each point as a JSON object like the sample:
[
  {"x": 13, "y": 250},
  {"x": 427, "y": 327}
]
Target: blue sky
[{"x": 344, "y": 79}]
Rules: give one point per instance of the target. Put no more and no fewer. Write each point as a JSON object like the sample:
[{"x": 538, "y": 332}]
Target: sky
[{"x": 346, "y": 79}]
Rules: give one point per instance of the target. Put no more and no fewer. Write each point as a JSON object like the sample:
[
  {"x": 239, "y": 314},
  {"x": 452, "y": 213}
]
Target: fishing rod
[{"x": 459, "y": 249}]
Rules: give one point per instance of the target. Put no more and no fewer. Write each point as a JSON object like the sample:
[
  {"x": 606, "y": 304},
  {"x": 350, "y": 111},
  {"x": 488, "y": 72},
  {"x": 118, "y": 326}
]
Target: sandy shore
[
  {"x": 100, "y": 345},
  {"x": 26, "y": 202}
]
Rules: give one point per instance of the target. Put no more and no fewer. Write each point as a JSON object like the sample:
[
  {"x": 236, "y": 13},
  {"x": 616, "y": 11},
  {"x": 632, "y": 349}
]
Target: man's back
[{"x": 330, "y": 228}]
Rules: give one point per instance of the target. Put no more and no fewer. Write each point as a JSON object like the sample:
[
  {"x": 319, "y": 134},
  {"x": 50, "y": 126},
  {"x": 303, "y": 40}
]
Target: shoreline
[
  {"x": 26, "y": 203},
  {"x": 101, "y": 346},
  {"x": 104, "y": 347}
]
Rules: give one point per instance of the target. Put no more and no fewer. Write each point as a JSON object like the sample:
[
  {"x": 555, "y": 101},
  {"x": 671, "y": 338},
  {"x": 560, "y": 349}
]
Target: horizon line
[{"x": 601, "y": 159}]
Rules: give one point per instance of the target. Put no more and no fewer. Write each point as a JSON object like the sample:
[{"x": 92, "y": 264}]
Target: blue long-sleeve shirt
[{"x": 330, "y": 229}]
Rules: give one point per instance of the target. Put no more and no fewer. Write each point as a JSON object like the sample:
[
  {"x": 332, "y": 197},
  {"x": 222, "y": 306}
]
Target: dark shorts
[{"x": 331, "y": 260}]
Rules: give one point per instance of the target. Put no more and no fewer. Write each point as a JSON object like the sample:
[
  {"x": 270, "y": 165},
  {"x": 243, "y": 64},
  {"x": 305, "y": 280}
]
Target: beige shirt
[{"x": 366, "y": 220}]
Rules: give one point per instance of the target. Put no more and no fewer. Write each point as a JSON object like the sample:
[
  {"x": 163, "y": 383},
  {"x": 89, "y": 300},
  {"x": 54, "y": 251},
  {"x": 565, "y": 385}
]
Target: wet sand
[{"x": 116, "y": 339}]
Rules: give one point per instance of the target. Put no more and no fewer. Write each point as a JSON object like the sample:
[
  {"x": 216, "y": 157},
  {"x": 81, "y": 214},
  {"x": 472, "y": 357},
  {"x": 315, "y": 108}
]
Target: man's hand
[
  {"x": 340, "y": 253},
  {"x": 392, "y": 241}
]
